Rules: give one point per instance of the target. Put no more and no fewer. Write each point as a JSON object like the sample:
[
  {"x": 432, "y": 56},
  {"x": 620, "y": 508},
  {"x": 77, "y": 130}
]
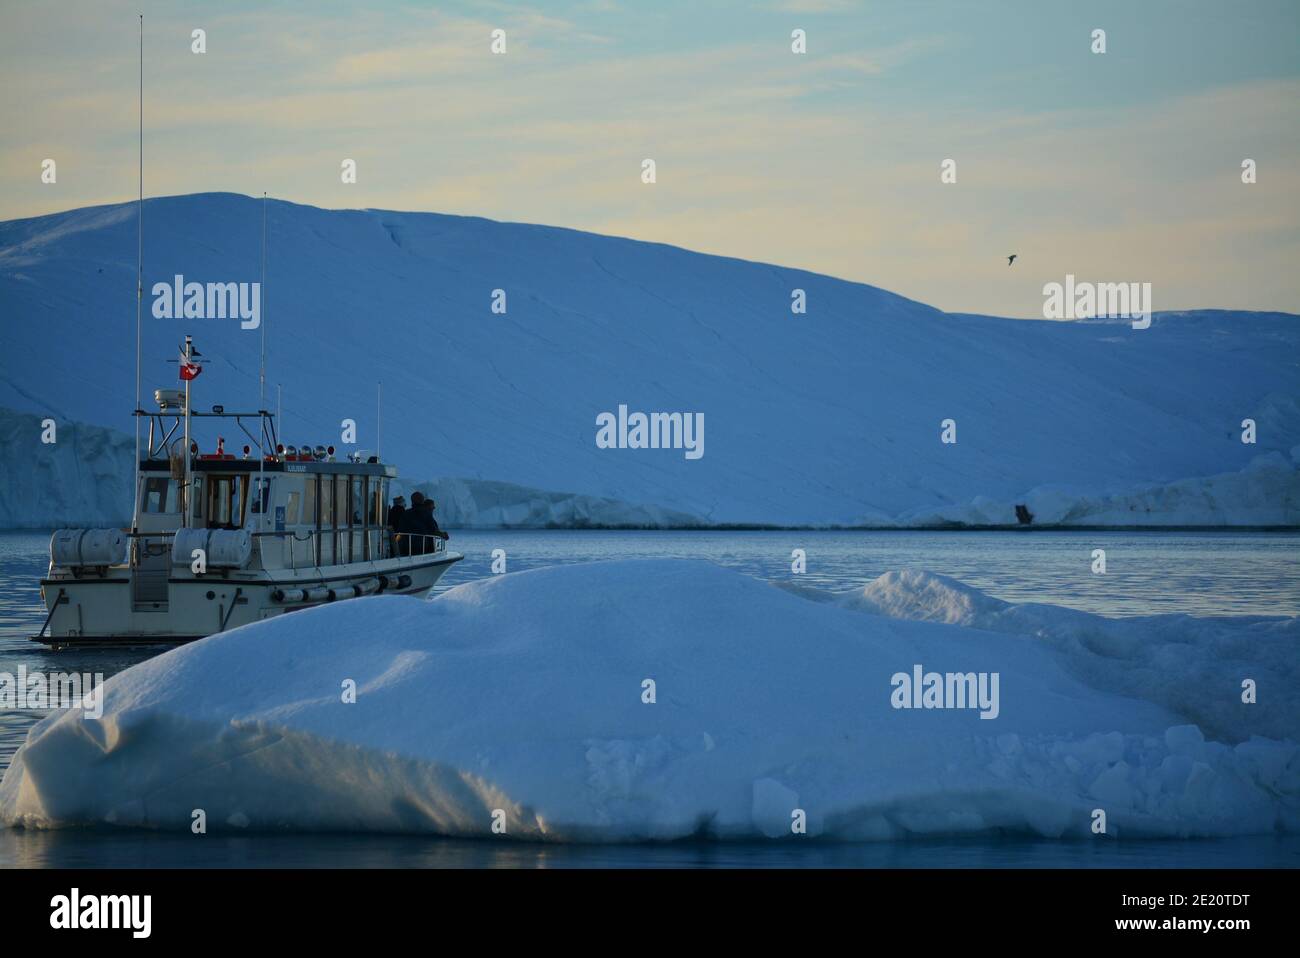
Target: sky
[{"x": 1123, "y": 166}]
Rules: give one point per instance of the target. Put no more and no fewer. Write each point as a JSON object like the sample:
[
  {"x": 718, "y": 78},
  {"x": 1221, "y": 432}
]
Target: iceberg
[
  {"x": 1264, "y": 493},
  {"x": 1186, "y": 663},
  {"x": 826, "y": 418},
  {"x": 86, "y": 482},
  {"x": 664, "y": 699}
]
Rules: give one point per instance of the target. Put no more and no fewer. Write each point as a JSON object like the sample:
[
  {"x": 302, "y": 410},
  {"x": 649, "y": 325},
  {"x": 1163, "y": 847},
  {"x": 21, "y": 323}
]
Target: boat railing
[
  {"x": 292, "y": 538},
  {"x": 140, "y": 542},
  {"x": 418, "y": 543},
  {"x": 302, "y": 545}
]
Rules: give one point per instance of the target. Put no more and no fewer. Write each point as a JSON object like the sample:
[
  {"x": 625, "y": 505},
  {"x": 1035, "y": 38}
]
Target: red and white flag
[{"x": 189, "y": 370}]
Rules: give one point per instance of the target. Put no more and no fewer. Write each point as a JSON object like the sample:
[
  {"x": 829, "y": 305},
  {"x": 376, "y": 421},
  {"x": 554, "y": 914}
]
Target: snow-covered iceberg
[
  {"x": 829, "y": 417},
  {"x": 84, "y": 479},
  {"x": 1266, "y": 492},
  {"x": 524, "y": 699},
  {"x": 1185, "y": 663},
  {"x": 484, "y": 504},
  {"x": 81, "y": 479}
]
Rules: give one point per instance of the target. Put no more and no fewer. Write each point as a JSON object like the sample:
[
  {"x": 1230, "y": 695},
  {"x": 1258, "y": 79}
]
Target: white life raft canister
[
  {"x": 84, "y": 547},
  {"x": 223, "y": 547}
]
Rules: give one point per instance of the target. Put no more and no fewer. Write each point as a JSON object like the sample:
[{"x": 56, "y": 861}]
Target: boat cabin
[{"x": 325, "y": 512}]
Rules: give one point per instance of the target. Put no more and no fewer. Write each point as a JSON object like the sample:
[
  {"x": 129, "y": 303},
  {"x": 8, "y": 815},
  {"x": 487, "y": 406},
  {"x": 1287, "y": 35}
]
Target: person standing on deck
[
  {"x": 429, "y": 524},
  {"x": 395, "y": 519},
  {"x": 411, "y": 527},
  {"x": 423, "y": 526},
  {"x": 396, "y": 512}
]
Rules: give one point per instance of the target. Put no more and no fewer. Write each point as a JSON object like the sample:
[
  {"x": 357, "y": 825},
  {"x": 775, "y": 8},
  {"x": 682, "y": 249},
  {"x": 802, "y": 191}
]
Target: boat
[{"x": 220, "y": 540}]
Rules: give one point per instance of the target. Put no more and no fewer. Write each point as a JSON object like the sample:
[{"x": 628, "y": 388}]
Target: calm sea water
[{"x": 1147, "y": 572}]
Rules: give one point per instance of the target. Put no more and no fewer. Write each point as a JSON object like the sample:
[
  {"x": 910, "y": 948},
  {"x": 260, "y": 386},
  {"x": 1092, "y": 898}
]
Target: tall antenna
[
  {"x": 187, "y": 358},
  {"x": 379, "y": 418},
  {"x": 139, "y": 290},
  {"x": 261, "y": 374},
  {"x": 263, "y": 498}
]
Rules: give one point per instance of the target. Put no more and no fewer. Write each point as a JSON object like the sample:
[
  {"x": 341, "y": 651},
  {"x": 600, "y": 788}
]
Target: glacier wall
[{"x": 829, "y": 417}]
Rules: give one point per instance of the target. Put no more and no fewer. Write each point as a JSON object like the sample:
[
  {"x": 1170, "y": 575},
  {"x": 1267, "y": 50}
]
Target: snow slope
[
  {"x": 85, "y": 482},
  {"x": 1187, "y": 664},
  {"x": 483, "y": 504},
  {"x": 524, "y": 693},
  {"x": 831, "y": 417},
  {"x": 1266, "y": 492},
  {"x": 81, "y": 479},
  {"x": 84, "y": 479}
]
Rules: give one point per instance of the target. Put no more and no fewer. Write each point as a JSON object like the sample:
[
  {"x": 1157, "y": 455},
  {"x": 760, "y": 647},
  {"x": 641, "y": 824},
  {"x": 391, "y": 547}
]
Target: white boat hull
[{"x": 106, "y": 609}]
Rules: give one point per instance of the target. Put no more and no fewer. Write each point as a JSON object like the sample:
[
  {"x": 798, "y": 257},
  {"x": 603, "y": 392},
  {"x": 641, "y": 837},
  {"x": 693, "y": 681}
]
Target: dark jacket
[
  {"x": 395, "y": 517},
  {"x": 428, "y": 524},
  {"x": 409, "y": 525},
  {"x": 424, "y": 521}
]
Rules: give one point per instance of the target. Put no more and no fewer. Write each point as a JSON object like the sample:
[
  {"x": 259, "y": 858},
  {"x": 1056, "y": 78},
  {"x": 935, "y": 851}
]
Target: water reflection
[
  {"x": 1197, "y": 573},
  {"x": 100, "y": 848}
]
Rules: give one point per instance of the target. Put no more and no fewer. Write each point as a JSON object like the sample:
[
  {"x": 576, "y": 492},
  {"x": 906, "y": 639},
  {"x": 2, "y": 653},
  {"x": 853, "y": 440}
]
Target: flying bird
[{"x": 1011, "y": 259}]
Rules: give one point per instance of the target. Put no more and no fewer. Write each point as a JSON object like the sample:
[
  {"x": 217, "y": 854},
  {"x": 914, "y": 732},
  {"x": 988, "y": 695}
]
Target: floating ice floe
[
  {"x": 1265, "y": 492},
  {"x": 632, "y": 700}
]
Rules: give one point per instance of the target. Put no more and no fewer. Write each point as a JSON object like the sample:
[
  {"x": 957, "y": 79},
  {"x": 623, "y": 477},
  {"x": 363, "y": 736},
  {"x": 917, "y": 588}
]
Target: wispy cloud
[{"x": 827, "y": 161}]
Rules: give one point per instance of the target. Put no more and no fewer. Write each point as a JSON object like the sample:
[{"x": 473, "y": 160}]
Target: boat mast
[
  {"x": 379, "y": 418},
  {"x": 263, "y": 500},
  {"x": 185, "y": 500},
  {"x": 139, "y": 292}
]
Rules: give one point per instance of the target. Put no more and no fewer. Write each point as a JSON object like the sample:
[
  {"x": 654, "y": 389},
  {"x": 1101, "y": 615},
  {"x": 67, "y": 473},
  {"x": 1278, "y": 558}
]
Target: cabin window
[
  {"x": 226, "y": 497},
  {"x": 291, "y": 508},
  {"x": 326, "y": 503},
  {"x": 309, "y": 502},
  {"x": 260, "y": 501},
  {"x": 377, "y": 511},
  {"x": 218, "y": 511},
  {"x": 341, "y": 513},
  {"x": 358, "y": 503},
  {"x": 155, "y": 494}
]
